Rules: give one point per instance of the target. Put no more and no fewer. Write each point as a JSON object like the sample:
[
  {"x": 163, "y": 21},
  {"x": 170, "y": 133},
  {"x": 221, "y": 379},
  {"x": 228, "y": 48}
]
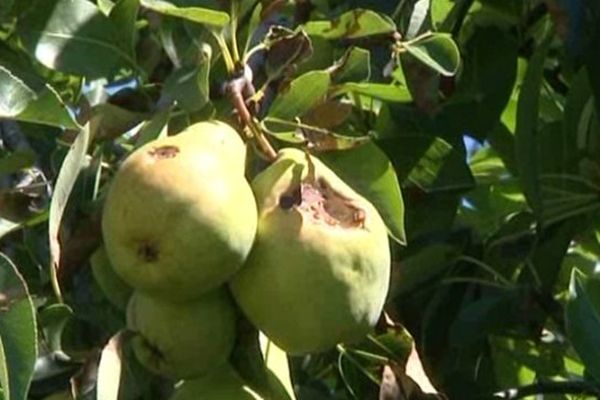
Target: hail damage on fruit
[
  {"x": 164, "y": 152},
  {"x": 317, "y": 200}
]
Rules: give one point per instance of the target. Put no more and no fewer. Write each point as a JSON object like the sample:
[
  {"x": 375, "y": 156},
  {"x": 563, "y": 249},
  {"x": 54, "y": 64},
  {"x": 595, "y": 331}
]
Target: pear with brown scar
[
  {"x": 180, "y": 217},
  {"x": 319, "y": 271}
]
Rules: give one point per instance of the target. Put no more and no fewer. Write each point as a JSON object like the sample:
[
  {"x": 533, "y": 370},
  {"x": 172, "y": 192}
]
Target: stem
[
  {"x": 229, "y": 63},
  {"x": 235, "y": 9},
  {"x": 262, "y": 141},
  {"x": 55, "y": 284},
  {"x": 487, "y": 268}
]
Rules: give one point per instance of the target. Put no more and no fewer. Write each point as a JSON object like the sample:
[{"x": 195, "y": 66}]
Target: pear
[
  {"x": 319, "y": 270},
  {"x": 182, "y": 340},
  {"x": 179, "y": 218},
  {"x": 221, "y": 384},
  {"x": 113, "y": 287}
]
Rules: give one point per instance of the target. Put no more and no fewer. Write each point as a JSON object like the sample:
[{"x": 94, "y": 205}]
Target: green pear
[
  {"x": 319, "y": 271},
  {"x": 221, "y": 384},
  {"x": 180, "y": 218},
  {"x": 113, "y": 287},
  {"x": 182, "y": 340}
]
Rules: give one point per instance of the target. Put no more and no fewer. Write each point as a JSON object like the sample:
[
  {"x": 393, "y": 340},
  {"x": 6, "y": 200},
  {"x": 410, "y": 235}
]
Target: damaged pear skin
[
  {"x": 319, "y": 271},
  {"x": 182, "y": 340},
  {"x": 180, "y": 217}
]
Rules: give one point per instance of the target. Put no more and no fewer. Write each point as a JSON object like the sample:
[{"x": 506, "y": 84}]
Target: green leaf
[
  {"x": 69, "y": 171},
  {"x": 351, "y": 25},
  {"x": 526, "y": 148},
  {"x": 416, "y": 269},
  {"x": 53, "y": 320},
  {"x": 108, "y": 121},
  {"x": 154, "y": 128},
  {"x": 15, "y": 94},
  {"x": 49, "y": 109},
  {"x": 437, "y": 50},
  {"x": 354, "y": 66},
  {"x": 432, "y": 163},
  {"x": 26, "y": 97},
  {"x": 206, "y": 16},
  {"x": 381, "y": 91},
  {"x": 16, "y": 161},
  {"x": 18, "y": 333},
  {"x": 303, "y": 93},
  {"x": 582, "y": 315},
  {"x": 368, "y": 170},
  {"x": 124, "y": 15},
  {"x": 418, "y": 17},
  {"x": 189, "y": 85},
  {"x": 88, "y": 44}
]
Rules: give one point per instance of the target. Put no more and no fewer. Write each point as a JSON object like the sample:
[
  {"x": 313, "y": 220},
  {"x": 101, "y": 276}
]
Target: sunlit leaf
[
  {"x": 352, "y": 24},
  {"x": 199, "y": 15}
]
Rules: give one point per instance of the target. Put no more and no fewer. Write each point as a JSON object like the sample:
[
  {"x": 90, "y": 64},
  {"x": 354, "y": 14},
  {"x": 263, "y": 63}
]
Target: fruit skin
[
  {"x": 309, "y": 285},
  {"x": 180, "y": 218},
  {"x": 182, "y": 340},
  {"x": 221, "y": 384},
  {"x": 113, "y": 287}
]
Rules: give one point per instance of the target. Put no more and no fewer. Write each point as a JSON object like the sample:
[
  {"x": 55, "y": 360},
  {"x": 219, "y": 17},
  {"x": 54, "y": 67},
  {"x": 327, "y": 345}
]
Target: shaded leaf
[
  {"x": 124, "y": 15},
  {"x": 18, "y": 333},
  {"x": 53, "y": 320},
  {"x": 284, "y": 49},
  {"x": 154, "y": 128},
  {"x": 89, "y": 35},
  {"x": 526, "y": 148},
  {"x": 418, "y": 268},
  {"x": 368, "y": 170},
  {"x": 16, "y": 161},
  {"x": 354, "y": 66},
  {"x": 582, "y": 314},
  {"x": 432, "y": 164},
  {"x": 109, "y": 121},
  {"x": 189, "y": 85}
]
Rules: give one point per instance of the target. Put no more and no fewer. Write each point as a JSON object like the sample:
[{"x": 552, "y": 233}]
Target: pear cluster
[{"x": 190, "y": 242}]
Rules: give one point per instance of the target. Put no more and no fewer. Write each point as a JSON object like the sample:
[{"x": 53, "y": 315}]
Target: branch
[{"x": 566, "y": 387}]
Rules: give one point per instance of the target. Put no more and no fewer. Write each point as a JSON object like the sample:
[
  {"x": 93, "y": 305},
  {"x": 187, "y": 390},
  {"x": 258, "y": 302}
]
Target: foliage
[{"x": 472, "y": 125}]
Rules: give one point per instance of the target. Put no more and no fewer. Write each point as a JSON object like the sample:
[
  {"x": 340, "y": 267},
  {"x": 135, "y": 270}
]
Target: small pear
[
  {"x": 182, "y": 340},
  {"x": 221, "y": 384},
  {"x": 319, "y": 271},
  {"x": 113, "y": 287},
  {"x": 180, "y": 218}
]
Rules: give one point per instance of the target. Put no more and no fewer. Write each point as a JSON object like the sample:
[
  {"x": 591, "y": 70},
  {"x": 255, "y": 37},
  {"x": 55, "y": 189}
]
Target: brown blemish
[
  {"x": 163, "y": 152},
  {"x": 147, "y": 251},
  {"x": 318, "y": 201}
]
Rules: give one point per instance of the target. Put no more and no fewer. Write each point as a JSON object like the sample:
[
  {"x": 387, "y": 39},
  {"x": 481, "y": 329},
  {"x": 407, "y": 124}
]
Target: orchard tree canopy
[{"x": 472, "y": 127}]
